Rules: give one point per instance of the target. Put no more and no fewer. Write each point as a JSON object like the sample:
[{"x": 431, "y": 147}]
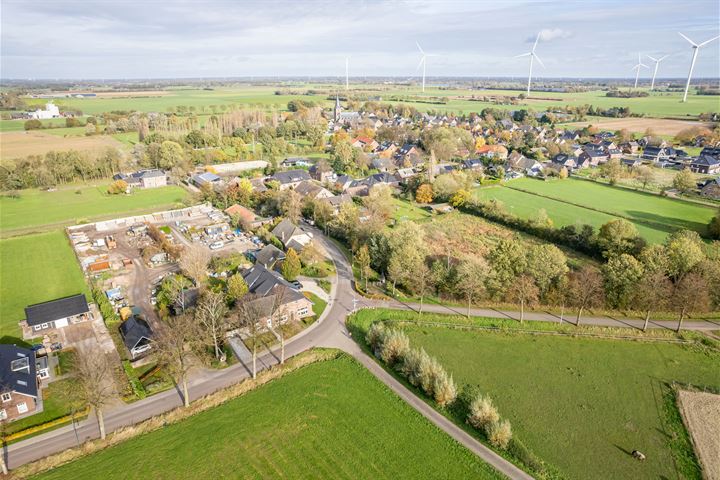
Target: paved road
[{"x": 328, "y": 331}]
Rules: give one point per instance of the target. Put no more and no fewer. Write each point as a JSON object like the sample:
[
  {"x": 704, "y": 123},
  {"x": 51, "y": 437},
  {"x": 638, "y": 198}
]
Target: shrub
[
  {"x": 429, "y": 369},
  {"x": 410, "y": 366},
  {"x": 375, "y": 335},
  {"x": 499, "y": 434},
  {"x": 482, "y": 412},
  {"x": 395, "y": 347},
  {"x": 33, "y": 124},
  {"x": 444, "y": 390}
]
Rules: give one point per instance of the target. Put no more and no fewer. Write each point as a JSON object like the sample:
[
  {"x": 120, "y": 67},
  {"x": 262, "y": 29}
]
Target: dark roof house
[
  {"x": 137, "y": 335},
  {"x": 18, "y": 370},
  {"x": 56, "y": 310}
]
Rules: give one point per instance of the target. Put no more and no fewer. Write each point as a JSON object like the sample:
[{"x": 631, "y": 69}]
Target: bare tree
[
  {"x": 174, "y": 342},
  {"x": 278, "y": 316},
  {"x": 524, "y": 291},
  {"x": 210, "y": 314},
  {"x": 424, "y": 281},
  {"x": 585, "y": 289},
  {"x": 652, "y": 293},
  {"x": 194, "y": 262},
  {"x": 249, "y": 314},
  {"x": 471, "y": 279},
  {"x": 178, "y": 286},
  {"x": 690, "y": 295},
  {"x": 95, "y": 380}
]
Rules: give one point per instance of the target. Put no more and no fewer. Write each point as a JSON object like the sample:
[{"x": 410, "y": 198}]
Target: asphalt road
[{"x": 328, "y": 331}]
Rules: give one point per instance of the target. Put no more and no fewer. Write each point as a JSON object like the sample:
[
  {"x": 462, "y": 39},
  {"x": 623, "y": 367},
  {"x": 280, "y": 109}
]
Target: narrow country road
[{"x": 328, "y": 331}]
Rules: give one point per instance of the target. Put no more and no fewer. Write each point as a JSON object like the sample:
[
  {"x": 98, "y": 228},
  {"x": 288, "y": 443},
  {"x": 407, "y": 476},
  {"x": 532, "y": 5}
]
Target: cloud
[{"x": 548, "y": 34}]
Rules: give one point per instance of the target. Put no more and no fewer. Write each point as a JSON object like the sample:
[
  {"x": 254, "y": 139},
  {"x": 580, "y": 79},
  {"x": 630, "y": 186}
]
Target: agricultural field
[
  {"x": 37, "y": 210},
  {"x": 460, "y": 100},
  {"x": 580, "y": 404},
  {"x": 329, "y": 420},
  {"x": 34, "y": 269},
  {"x": 701, "y": 414},
  {"x": 22, "y": 144},
  {"x": 19, "y": 125},
  {"x": 654, "y": 216},
  {"x": 660, "y": 126}
]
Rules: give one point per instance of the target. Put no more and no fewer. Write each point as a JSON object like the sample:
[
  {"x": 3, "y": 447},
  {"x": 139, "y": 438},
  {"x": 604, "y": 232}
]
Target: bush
[
  {"x": 118, "y": 186},
  {"x": 444, "y": 390},
  {"x": 499, "y": 434},
  {"x": 410, "y": 366},
  {"x": 395, "y": 346},
  {"x": 33, "y": 124},
  {"x": 429, "y": 369},
  {"x": 482, "y": 412},
  {"x": 375, "y": 335}
]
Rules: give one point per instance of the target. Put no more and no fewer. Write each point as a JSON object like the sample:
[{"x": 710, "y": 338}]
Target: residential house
[
  {"x": 144, "y": 178},
  {"x": 631, "y": 147},
  {"x": 310, "y": 189},
  {"x": 322, "y": 173},
  {"x": 382, "y": 164},
  {"x": 296, "y": 162},
  {"x": 18, "y": 383},
  {"x": 291, "y": 235},
  {"x": 386, "y": 150},
  {"x": 631, "y": 162},
  {"x": 656, "y": 154},
  {"x": 474, "y": 164},
  {"x": 337, "y": 201},
  {"x": 43, "y": 317},
  {"x": 258, "y": 184},
  {"x": 137, "y": 336},
  {"x": 711, "y": 151},
  {"x": 407, "y": 152},
  {"x": 614, "y": 153},
  {"x": 246, "y": 217},
  {"x": 710, "y": 188},
  {"x": 207, "y": 179},
  {"x": 291, "y": 178},
  {"x": 705, "y": 164},
  {"x": 364, "y": 143},
  {"x": 520, "y": 163},
  {"x": 343, "y": 182},
  {"x": 268, "y": 256},
  {"x": 499, "y": 152},
  {"x": 569, "y": 136},
  {"x": 592, "y": 156},
  {"x": 270, "y": 289},
  {"x": 570, "y": 162}
]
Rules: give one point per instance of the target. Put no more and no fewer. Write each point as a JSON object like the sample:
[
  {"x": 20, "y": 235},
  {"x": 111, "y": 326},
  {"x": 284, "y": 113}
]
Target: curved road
[{"x": 328, "y": 331}]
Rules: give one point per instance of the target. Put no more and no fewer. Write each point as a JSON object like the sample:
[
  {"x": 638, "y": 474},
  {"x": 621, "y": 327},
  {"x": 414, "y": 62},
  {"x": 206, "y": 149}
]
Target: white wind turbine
[
  {"x": 533, "y": 56},
  {"x": 657, "y": 63},
  {"x": 347, "y": 73},
  {"x": 423, "y": 62},
  {"x": 637, "y": 69},
  {"x": 696, "y": 49}
]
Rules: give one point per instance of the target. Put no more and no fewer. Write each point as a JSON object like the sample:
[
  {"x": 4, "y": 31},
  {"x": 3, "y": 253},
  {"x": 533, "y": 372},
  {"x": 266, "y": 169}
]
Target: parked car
[
  {"x": 216, "y": 245},
  {"x": 296, "y": 285}
]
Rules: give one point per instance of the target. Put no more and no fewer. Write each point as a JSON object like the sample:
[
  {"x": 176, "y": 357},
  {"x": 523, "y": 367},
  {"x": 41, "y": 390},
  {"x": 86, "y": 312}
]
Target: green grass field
[
  {"x": 654, "y": 216},
  {"x": 580, "y": 404},
  {"x": 34, "y": 269},
  {"x": 406, "y": 210},
  {"x": 37, "y": 208},
  {"x": 327, "y": 420}
]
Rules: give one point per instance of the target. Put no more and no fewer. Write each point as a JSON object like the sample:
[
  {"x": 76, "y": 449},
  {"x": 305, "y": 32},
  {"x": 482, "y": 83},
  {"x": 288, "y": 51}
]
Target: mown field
[
  {"x": 461, "y": 100},
  {"x": 327, "y": 420},
  {"x": 22, "y": 144},
  {"x": 574, "y": 201},
  {"x": 34, "y": 269},
  {"x": 580, "y": 404},
  {"x": 37, "y": 209}
]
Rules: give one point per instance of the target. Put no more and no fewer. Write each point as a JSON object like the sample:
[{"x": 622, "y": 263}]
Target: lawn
[
  {"x": 331, "y": 419},
  {"x": 406, "y": 210},
  {"x": 53, "y": 408},
  {"x": 34, "y": 269},
  {"x": 580, "y": 404},
  {"x": 655, "y": 216},
  {"x": 65, "y": 206}
]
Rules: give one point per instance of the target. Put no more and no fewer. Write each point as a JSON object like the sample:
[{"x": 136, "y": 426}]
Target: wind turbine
[
  {"x": 423, "y": 62},
  {"x": 637, "y": 69},
  {"x": 696, "y": 49},
  {"x": 347, "y": 70},
  {"x": 533, "y": 56},
  {"x": 657, "y": 63}
]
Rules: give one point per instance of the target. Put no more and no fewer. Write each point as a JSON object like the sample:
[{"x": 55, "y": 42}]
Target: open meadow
[
  {"x": 34, "y": 142},
  {"x": 34, "y": 269},
  {"x": 581, "y": 404},
  {"x": 37, "y": 210},
  {"x": 573, "y": 201},
  {"x": 331, "y": 419}
]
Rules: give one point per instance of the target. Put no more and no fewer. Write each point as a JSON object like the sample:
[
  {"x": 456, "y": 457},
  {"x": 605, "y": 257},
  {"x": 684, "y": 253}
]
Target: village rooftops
[
  {"x": 18, "y": 370},
  {"x": 56, "y": 309},
  {"x": 291, "y": 176}
]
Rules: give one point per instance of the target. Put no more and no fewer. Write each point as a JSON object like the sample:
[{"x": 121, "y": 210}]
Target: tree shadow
[
  {"x": 666, "y": 223},
  {"x": 10, "y": 340},
  {"x": 626, "y": 452}
]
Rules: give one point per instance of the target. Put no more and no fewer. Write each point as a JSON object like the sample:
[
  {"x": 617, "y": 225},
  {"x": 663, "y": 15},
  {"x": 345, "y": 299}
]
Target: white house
[{"x": 51, "y": 111}]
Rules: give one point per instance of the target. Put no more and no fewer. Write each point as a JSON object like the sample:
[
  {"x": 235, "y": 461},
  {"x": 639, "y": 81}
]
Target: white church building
[{"x": 51, "y": 111}]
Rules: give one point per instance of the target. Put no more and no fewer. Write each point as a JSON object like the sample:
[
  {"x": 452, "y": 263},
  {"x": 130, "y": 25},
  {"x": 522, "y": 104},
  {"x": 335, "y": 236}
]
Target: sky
[{"x": 94, "y": 39}]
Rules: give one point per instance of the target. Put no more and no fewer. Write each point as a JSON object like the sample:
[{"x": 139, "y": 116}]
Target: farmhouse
[
  {"x": 291, "y": 235},
  {"x": 59, "y": 313},
  {"x": 144, "y": 178},
  {"x": 51, "y": 111},
  {"x": 705, "y": 164},
  {"x": 18, "y": 382},
  {"x": 270, "y": 287},
  {"x": 137, "y": 336}
]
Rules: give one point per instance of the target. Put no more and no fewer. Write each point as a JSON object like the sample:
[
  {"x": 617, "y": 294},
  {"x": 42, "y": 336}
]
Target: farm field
[
  {"x": 640, "y": 125},
  {"x": 37, "y": 208},
  {"x": 22, "y": 144},
  {"x": 19, "y": 125},
  {"x": 581, "y": 404},
  {"x": 251, "y": 96},
  {"x": 34, "y": 269},
  {"x": 654, "y": 216},
  {"x": 327, "y": 420}
]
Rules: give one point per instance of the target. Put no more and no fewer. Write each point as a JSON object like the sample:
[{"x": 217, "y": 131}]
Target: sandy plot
[
  {"x": 701, "y": 413},
  {"x": 21, "y": 144},
  {"x": 658, "y": 125}
]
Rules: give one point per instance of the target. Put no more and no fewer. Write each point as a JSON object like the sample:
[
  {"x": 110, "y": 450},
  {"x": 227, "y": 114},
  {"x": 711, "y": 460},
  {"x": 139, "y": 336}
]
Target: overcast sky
[{"x": 211, "y": 38}]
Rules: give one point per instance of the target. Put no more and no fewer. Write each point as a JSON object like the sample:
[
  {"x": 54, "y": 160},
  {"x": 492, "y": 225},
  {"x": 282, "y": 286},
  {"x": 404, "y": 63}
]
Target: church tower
[{"x": 338, "y": 108}]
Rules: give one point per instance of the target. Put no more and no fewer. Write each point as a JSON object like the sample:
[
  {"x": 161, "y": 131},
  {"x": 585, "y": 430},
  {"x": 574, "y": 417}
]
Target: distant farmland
[
  {"x": 572, "y": 201},
  {"x": 22, "y": 144}
]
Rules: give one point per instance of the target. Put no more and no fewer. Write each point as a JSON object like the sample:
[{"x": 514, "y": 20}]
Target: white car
[{"x": 216, "y": 245}]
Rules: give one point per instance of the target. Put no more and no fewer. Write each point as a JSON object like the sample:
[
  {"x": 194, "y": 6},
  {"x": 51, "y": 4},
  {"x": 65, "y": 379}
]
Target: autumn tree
[
  {"x": 424, "y": 193},
  {"x": 94, "y": 376},
  {"x": 619, "y": 236},
  {"x": 621, "y": 274},
  {"x": 508, "y": 261},
  {"x": 176, "y": 342},
  {"x": 645, "y": 175},
  {"x": 546, "y": 264},
  {"x": 684, "y": 181},
  {"x": 291, "y": 266},
  {"x": 362, "y": 257},
  {"x": 690, "y": 295},
  {"x": 524, "y": 291},
  {"x": 194, "y": 262},
  {"x": 651, "y": 294},
  {"x": 684, "y": 251},
  {"x": 290, "y": 205},
  {"x": 237, "y": 287},
  {"x": 586, "y": 289}
]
